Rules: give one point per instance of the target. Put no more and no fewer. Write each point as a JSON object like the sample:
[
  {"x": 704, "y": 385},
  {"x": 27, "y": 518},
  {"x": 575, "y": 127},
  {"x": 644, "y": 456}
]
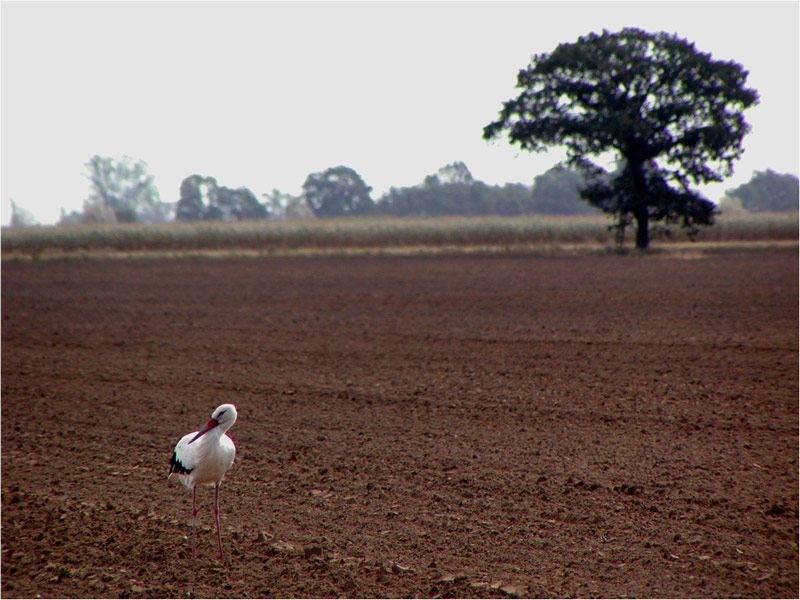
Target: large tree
[{"x": 670, "y": 114}]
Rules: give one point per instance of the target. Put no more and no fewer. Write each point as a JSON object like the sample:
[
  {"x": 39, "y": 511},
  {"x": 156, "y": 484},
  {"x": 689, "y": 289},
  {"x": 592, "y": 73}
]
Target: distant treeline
[
  {"x": 453, "y": 191},
  {"x": 123, "y": 192},
  {"x": 340, "y": 191}
]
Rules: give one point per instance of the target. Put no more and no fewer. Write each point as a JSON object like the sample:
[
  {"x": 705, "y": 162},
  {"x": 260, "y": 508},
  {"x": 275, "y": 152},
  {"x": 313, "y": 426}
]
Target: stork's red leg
[
  {"x": 216, "y": 518},
  {"x": 194, "y": 521}
]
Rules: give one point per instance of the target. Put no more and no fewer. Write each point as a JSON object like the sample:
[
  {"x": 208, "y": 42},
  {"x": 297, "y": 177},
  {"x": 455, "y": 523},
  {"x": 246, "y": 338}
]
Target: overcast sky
[{"x": 261, "y": 94}]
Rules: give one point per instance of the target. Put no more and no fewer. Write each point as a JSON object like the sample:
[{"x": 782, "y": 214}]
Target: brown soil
[{"x": 590, "y": 425}]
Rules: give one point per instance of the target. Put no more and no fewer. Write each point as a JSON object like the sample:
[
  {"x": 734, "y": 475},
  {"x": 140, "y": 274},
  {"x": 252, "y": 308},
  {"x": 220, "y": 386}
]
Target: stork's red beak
[{"x": 209, "y": 426}]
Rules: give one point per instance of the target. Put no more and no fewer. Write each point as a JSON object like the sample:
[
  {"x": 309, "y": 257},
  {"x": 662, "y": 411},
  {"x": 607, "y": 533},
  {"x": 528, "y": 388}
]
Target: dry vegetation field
[{"x": 356, "y": 235}]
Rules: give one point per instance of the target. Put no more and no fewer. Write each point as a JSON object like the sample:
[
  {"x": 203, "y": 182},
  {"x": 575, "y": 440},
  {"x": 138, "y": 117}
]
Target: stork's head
[{"x": 223, "y": 417}]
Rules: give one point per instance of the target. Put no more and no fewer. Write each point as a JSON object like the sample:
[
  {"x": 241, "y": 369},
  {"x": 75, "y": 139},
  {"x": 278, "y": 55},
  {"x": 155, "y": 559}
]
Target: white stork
[{"x": 203, "y": 457}]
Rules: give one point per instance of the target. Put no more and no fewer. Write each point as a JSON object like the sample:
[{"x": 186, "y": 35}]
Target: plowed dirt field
[{"x": 475, "y": 425}]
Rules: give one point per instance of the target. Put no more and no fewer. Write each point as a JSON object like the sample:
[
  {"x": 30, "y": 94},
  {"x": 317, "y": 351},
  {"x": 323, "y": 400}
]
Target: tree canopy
[
  {"x": 20, "y": 217},
  {"x": 557, "y": 192},
  {"x": 203, "y": 199},
  {"x": 768, "y": 190},
  {"x": 671, "y": 114},
  {"x": 126, "y": 189},
  {"x": 452, "y": 191},
  {"x": 337, "y": 192}
]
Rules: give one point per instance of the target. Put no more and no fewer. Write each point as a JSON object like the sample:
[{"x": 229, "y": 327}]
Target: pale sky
[{"x": 261, "y": 94}]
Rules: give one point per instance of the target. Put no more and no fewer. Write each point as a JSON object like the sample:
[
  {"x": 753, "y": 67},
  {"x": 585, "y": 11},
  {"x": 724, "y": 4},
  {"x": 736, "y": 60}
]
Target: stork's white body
[
  {"x": 202, "y": 458},
  {"x": 208, "y": 459}
]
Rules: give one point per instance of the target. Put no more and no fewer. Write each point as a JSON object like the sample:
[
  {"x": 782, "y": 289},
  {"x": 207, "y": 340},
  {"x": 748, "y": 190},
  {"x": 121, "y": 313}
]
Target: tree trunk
[
  {"x": 640, "y": 211},
  {"x": 642, "y": 229}
]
